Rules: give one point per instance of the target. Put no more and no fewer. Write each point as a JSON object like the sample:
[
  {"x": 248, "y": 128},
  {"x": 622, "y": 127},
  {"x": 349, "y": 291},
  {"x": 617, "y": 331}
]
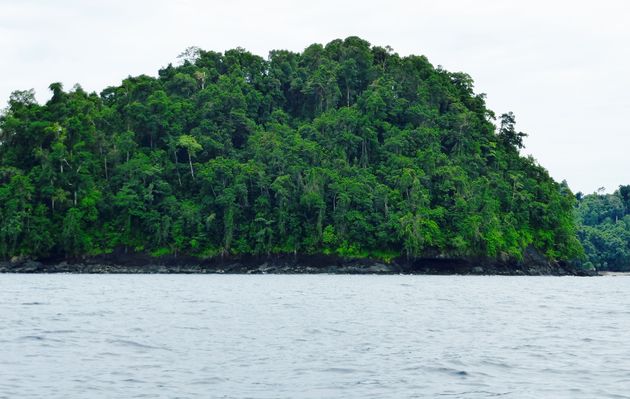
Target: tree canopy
[
  {"x": 604, "y": 228},
  {"x": 344, "y": 148}
]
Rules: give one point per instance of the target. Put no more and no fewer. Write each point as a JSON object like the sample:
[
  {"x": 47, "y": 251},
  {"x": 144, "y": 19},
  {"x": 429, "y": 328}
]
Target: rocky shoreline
[{"x": 137, "y": 263}]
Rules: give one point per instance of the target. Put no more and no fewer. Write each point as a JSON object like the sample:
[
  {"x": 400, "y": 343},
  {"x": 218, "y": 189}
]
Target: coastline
[
  {"x": 614, "y": 274},
  {"x": 140, "y": 263}
]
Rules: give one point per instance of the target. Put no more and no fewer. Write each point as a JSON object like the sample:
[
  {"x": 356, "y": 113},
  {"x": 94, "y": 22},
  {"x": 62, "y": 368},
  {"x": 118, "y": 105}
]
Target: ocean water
[{"x": 313, "y": 336}]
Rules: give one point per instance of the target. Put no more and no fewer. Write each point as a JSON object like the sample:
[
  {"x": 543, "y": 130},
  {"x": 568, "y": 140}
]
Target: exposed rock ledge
[{"x": 532, "y": 265}]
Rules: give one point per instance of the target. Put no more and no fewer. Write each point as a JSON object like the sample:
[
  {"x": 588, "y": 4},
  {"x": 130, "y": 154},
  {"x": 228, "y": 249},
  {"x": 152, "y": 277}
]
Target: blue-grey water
[{"x": 313, "y": 336}]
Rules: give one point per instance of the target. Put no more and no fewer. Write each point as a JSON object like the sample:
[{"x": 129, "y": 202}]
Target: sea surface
[{"x": 313, "y": 336}]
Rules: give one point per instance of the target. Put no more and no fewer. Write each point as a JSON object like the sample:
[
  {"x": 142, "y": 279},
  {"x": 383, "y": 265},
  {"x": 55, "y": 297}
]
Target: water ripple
[{"x": 268, "y": 337}]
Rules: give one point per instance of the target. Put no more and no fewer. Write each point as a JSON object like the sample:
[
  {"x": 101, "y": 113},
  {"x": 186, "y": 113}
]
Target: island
[{"x": 346, "y": 157}]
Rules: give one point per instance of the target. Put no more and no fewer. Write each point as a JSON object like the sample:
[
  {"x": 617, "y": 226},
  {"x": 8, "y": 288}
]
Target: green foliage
[
  {"x": 604, "y": 229},
  {"x": 345, "y": 149},
  {"x": 160, "y": 252}
]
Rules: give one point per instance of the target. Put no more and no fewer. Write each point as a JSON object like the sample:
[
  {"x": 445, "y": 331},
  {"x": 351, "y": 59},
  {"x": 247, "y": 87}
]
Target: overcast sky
[{"x": 563, "y": 67}]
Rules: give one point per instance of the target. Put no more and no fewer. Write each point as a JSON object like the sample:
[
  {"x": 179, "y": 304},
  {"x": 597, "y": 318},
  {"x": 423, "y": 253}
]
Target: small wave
[
  {"x": 190, "y": 328},
  {"x": 368, "y": 382},
  {"x": 38, "y": 338},
  {"x": 450, "y": 371},
  {"x": 133, "y": 344},
  {"x": 504, "y": 365},
  {"x": 467, "y": 393},
  {"x": 134, "y": 381},
  {"x": 339, "y": 370},
  {"x": 32, "y": 338},
  {"x": 33, "y": 303},
  {"x": 457, "y": 373},
  {"x": 108, "y": 354},
  {"x": 208, "y": 381}
]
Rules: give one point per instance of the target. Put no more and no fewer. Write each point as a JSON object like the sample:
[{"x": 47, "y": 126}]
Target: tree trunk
[
  {"x": 179, "y": 177},
  {"x": 364, "y": 154},
  {"x": 348, "y": 95},
  {"x": 192, "y": 172}
]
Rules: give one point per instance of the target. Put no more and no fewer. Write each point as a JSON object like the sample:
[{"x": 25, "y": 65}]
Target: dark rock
[
  {"x": 533, "y": 263},
  {"x": 379, "y": 268}
]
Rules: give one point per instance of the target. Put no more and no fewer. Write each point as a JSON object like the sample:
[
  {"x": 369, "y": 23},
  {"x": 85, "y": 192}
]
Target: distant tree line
[
  {"x": 346, "y": 149},
  {"x": 604, "y": 228}
]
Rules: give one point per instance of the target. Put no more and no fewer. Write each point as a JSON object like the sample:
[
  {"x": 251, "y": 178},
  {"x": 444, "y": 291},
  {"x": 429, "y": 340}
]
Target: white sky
[{"x": 563, "y": 67}]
